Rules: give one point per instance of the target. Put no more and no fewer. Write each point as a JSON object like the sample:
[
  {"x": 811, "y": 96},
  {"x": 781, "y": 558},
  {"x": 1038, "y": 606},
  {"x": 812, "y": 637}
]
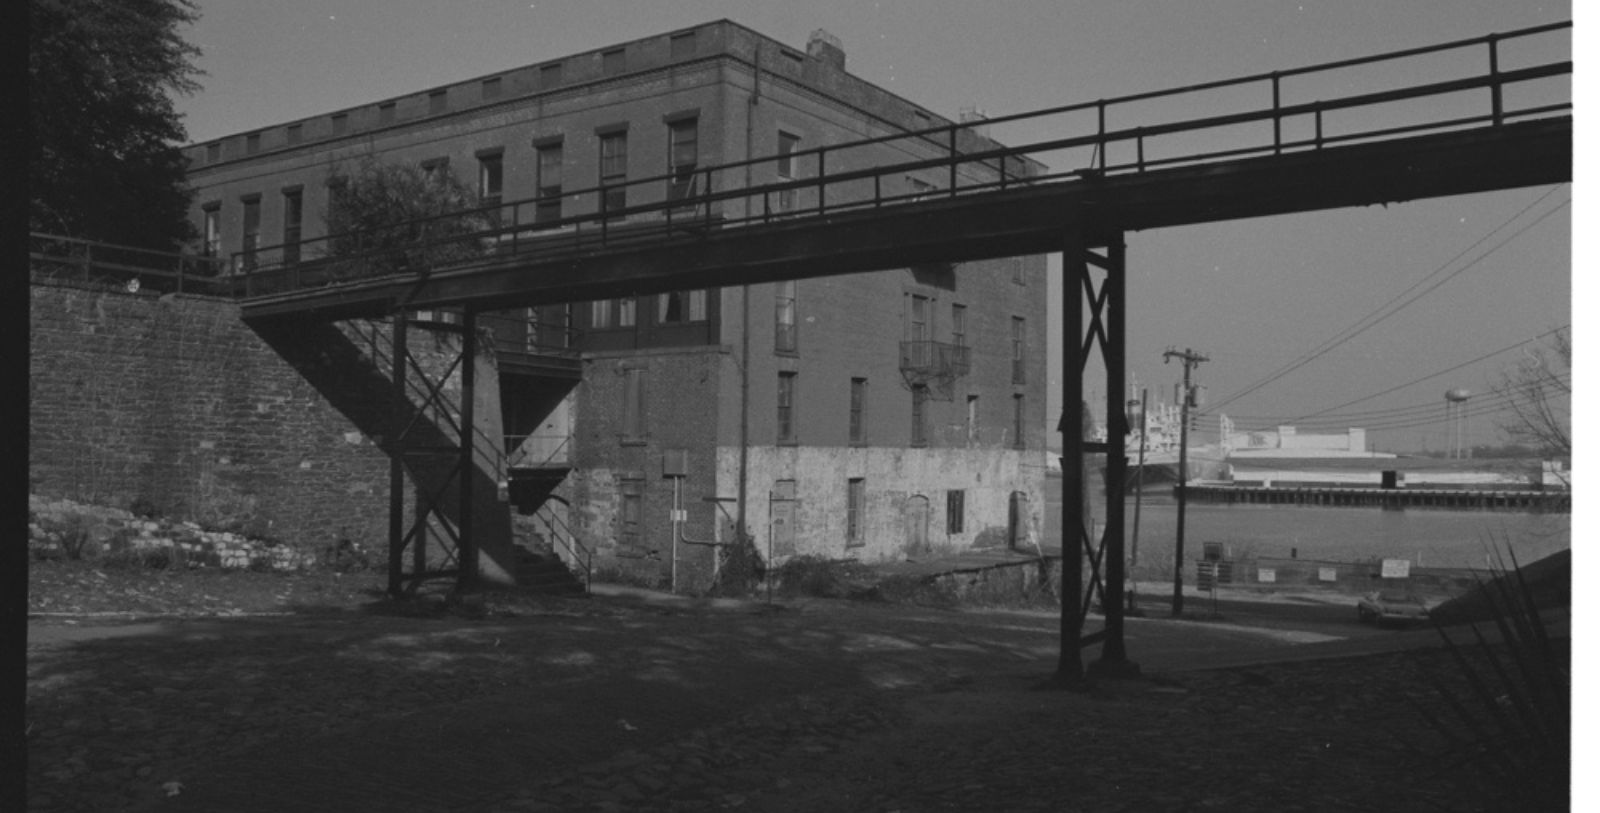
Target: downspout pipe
[{"x": 742, "y": 531}]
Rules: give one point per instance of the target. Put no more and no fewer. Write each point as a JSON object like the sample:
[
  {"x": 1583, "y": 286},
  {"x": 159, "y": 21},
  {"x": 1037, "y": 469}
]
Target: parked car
[{"x": 1391, "y": 606}]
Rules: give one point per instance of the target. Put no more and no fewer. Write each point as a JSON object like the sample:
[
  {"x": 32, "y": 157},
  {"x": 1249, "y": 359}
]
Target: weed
[
  {"x": 824, "y": 578},
  {"x": 1512, "y": 722}
]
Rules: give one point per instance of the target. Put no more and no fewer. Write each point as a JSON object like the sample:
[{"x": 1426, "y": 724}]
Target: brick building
[{"x": 874, "y": 415}]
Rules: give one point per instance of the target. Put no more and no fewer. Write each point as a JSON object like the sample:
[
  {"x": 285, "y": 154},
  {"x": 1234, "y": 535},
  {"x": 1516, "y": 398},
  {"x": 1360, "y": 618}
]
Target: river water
[{"x": 1428, "y": 537}]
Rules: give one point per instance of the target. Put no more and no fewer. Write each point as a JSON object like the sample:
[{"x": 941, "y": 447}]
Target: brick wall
[
  {"x": 176, "y": 402},
  {"x": 275, "y": 431}
]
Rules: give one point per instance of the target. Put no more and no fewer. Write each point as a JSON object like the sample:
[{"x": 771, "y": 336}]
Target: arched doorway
[{"x": 917, "y": 525}]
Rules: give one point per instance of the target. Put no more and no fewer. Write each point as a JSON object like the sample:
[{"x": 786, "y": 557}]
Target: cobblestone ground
[{"x": 604, "y": 705}]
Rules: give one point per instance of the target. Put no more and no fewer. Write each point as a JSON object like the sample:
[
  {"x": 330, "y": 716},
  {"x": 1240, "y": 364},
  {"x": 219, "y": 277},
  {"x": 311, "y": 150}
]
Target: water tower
[{"x": 1455, "y": 411}]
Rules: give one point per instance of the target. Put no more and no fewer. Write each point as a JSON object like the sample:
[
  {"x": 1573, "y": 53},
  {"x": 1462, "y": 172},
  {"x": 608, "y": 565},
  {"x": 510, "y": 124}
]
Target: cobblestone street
[{"x": 642, "y": 702}]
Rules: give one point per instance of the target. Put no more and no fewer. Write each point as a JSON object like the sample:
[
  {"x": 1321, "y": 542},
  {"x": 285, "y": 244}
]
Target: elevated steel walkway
[{"x": 1305, "y": 142}]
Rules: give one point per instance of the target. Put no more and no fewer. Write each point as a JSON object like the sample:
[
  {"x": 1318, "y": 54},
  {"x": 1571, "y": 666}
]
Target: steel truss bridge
[{"x": 1295, "y": 140}]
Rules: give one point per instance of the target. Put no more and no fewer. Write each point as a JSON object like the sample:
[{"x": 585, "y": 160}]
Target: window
[
  {"x": 252, "y": 144},
  {"x": 919, "y": 415},
  {"x": 600, "y": 314},
  {"x": 683, "y": 153},
  {"x": 1019, "y": 366},
  {"x": 786, "y": 387},
  {"x": 627, "y": 312},
  {"x": 613, "y": 62},
  {"x": 921, "y": 353},
  {"x": 1017, "y": 422},
  {"x": 490, "y": 89},
  {"x": 630, "y": 518},
  {"x": 341, "y": 123},
  {"x": 787, "y": 335},
  {"x": 633, "y": 418},
  {"x": 858, "y": 411},
  {"x": 294, "y": 134},
  {"x": 855, "y": 511},
  {"x": 437, "y": 102},
  {"x": 252, "y": 229},
  {"x": 955, "y": 511},
  {"x": 788, "y": 145},
  {"x": 214, "y": 152},
  {"x": 958, "y": 325},
  {"x": 1017, "y": 275},
  {"x": 972, "y": 418},
  {"x": 490, "y": 177},
  {"x": 213, "y": 229},
  {"x": 613, "y": 171},
  {"x": 386, "y": 113},
  {"x": 293, "y": 210},
  {"x": 682, "y": 45},
  {"x": 681, "y": 306},
  {"x": 547, "y": 182},
  {"x": 549, "y": 75}
]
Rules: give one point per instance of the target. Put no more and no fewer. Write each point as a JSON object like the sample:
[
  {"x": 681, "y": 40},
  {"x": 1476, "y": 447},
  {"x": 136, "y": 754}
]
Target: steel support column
[
  {"x": 1106, "y": 330},
  {"x": 397, "y": 464},
  {"x": 1112, "y": 319},
  {"x": 429, "y": 448},
  {"x": 1069, "y": 667},
  {"x": 467, "y": 544}
]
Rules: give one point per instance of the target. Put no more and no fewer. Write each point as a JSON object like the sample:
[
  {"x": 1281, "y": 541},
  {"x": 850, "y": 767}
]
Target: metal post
[
  {"x": 467, "y": 580},
  {"x": 1113, "y": 653},
  {"x": 822, "y": 181},
  {"x": 1494, "y": 73},
  {"x": 1069, "y": 667},
  {"x": 397, "y": 474},
  {"x": 953, "y": 154},
  {"x": 1190, "y": 359},
  {"x": 1277, "y": 121}
]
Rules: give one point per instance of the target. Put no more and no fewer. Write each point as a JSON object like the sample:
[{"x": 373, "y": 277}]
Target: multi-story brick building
[{"x": 874, "y": 415}]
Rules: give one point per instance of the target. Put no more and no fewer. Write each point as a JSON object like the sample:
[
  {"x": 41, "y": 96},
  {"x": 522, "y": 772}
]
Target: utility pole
[{"x": 1190, "y": 360}]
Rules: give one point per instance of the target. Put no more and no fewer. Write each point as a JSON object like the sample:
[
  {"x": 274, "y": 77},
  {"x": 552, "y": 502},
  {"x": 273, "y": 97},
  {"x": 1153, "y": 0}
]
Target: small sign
[
  {"x": 1267, "y": 574},
  {"x": 1396, "y": 568},
  {"x": 680, "y": 515},
  {"x": 1328, "y": 574}
]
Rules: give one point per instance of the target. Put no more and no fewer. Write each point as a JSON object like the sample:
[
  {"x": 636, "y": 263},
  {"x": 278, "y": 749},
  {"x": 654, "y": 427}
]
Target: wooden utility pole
[{"x": 1190, "y": 360}]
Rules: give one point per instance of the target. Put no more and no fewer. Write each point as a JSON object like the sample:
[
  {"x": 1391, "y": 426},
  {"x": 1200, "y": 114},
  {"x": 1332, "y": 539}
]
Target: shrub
[
  {"x": 741, "y": 568},
  {"x": 824, "y": 578},
  {"x": 1512, "y": 722}
]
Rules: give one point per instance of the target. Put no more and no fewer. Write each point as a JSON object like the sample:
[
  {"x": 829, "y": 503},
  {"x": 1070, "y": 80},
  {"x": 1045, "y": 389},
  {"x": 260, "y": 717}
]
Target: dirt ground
[{"x": 255, "y": 691}]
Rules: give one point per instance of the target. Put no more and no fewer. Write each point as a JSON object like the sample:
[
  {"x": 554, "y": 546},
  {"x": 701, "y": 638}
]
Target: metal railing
[
  {"x": 937, "y": 358},
  {"x": 540, "y": 450},
  {"x": 954, "y": 160},
  {"x": 560, "y": 534},
  {"x": 135, "y": 268}
]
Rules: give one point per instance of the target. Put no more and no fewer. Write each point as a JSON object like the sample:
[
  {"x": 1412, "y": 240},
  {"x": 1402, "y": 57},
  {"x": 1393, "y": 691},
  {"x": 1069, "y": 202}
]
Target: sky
[{"x": 1252, "y": 295}]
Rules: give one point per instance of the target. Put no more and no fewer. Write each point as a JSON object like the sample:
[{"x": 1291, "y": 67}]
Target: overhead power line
[{"x": 1401, "y": 300}]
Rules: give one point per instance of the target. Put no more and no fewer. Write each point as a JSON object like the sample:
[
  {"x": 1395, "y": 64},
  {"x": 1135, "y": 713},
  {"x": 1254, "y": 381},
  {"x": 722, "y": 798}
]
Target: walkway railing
[
  {"x": 87, "y": 261},
  {"x": 1469, "y": 85}
]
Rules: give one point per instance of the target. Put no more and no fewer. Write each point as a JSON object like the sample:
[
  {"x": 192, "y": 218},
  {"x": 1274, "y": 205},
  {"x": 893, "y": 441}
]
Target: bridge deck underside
[{"x": 972, "y": 226}]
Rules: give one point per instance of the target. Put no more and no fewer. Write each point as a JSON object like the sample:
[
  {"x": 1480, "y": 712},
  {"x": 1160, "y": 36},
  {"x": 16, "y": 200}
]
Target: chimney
[
  {"x": 974, "y": 115},
  {"x": 825, "y": 47}
]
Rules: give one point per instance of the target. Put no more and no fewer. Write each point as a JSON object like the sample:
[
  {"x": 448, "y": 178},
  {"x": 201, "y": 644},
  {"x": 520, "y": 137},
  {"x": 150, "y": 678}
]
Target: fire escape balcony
[{"x": 935, "y": 359}]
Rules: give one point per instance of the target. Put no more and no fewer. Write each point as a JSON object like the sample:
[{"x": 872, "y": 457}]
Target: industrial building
[{"x": 874, "y": 416}]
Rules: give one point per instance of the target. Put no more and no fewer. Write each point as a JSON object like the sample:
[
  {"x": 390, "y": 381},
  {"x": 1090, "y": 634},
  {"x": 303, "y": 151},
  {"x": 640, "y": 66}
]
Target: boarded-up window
[
  {"x": 855, "y": 511},
  {"x": 633, "y": 413},
  {"x": 955, "y": 511}
]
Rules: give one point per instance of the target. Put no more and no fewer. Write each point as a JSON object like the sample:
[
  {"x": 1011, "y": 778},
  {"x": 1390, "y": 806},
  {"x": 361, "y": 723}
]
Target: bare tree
[{"x": 1538, "y": 397}]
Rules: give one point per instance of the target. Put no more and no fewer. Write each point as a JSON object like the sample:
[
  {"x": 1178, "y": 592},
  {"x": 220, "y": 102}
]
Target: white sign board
[
  {"x": 1396, "y": 568},
  {"x": 1328, "y": 574},
  {"x": 1266, "y": 574}
]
